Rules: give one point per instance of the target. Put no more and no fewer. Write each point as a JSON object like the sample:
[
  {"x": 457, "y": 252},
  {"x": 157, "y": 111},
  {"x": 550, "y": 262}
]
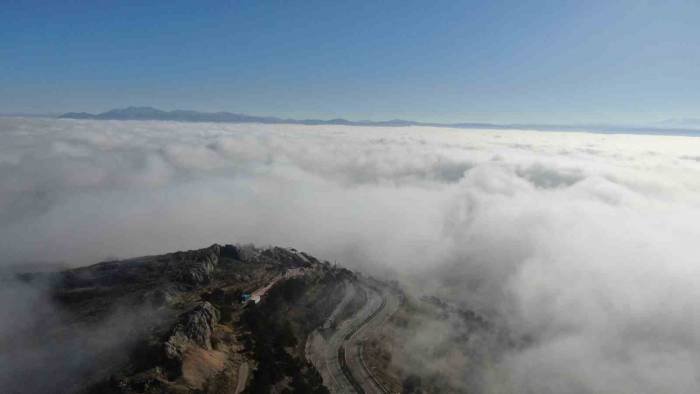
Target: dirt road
[{"x": 242, "y": 378}]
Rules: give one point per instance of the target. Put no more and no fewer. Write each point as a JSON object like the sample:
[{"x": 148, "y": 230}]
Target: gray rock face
[
  {"x": 248, "y": 253},
  {"x": 200, "y": 323},
  {"x": 198, "y": 266},
  {"x": 194, "y": 328},
  {"x": 289, "y": 256}
]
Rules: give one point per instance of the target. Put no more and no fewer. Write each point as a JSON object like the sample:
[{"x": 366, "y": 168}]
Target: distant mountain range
[
  {"x": 150, "y": 113},
  {"x": 681, "y": 122}
]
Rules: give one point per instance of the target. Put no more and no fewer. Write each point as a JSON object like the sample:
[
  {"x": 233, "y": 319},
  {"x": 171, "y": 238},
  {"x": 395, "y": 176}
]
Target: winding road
[{"x": 337, "y": 353}]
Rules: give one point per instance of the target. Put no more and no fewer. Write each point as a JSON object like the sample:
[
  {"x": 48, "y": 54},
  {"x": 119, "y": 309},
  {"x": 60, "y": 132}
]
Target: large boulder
[{"x": 194, "y": 328}]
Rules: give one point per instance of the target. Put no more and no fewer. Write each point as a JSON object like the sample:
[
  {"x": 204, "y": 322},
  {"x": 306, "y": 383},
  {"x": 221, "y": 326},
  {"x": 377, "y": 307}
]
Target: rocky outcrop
[
  {"x": 194, "y": 328},
  {"x": 174, "y": 323},
  {"x": 289, "y": 257},
  {"x": 197, "y": 267}
]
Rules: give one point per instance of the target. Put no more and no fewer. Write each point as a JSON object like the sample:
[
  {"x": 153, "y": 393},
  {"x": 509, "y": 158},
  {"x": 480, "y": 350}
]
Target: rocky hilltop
[
  {"x": 223, "y": 319},
  {"x": 181, "y": 322}
]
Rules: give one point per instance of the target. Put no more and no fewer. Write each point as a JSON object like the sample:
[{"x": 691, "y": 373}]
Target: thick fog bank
[{"x": 586, "y": 244}]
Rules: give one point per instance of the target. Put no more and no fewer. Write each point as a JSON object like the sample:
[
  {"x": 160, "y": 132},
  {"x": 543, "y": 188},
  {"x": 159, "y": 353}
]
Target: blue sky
[{"x": 546, "y": 62}]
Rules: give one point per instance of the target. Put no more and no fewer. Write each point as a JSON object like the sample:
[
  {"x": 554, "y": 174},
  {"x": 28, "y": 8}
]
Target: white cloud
[{"x": 585, "y": 243}]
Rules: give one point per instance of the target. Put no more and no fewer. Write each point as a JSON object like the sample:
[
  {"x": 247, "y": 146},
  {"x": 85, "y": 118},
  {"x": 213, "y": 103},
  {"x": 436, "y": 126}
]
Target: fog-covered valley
[{"x": 583, "y": 246}]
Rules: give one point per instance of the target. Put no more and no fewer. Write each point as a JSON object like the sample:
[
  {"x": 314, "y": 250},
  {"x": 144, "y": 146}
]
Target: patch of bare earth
[{"x": 199, "y": 365}]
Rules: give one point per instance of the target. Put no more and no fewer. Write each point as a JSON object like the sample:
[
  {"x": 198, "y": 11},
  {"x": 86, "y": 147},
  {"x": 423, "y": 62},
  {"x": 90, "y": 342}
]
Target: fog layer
[{"x": 586, "y": 245}]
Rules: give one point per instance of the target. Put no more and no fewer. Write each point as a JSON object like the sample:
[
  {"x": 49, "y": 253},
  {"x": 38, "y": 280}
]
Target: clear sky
[{"x": 494, "y": 61}]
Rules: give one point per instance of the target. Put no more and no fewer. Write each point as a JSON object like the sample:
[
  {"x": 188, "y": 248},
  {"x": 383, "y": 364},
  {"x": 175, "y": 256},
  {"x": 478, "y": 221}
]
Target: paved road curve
[
  {"x": 353, "y": 347},
  {"x": 324, "y": 345}
]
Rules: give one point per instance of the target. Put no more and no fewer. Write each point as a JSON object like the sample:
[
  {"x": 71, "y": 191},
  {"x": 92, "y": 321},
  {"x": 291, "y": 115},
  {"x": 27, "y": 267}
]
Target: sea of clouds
[{"x": 588, "y": 245}]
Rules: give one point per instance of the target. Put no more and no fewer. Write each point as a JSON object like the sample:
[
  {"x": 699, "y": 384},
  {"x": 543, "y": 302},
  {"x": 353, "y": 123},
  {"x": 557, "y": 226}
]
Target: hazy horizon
[{"x": 671, "y": 126}]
